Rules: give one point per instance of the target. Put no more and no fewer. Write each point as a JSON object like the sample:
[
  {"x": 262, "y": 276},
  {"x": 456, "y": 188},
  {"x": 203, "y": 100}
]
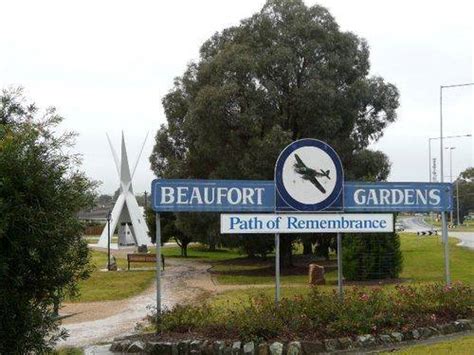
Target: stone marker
[{"x": 316, "y": 274}]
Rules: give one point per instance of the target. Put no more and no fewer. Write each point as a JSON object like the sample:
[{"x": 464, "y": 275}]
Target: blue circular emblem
[{"x": 308, "y": 177}]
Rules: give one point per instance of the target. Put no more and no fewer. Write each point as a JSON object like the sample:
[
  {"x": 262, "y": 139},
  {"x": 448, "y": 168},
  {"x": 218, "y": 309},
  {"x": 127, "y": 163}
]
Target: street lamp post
[
  {"x": 443, "y": 214},
  {"x": 109, "y": 217},
  {"x": 457, "y": 202},
  {"x": 429, "y": 149}
]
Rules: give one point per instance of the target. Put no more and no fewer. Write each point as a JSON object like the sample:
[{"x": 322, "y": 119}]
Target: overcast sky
[{"x": 106, "y": 65}]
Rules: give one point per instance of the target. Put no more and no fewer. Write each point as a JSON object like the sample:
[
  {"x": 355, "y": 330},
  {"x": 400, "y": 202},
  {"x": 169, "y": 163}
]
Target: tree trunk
[
  {"x": 307, "y": 247},
  {"x": 286, "y": 252},
  {"x": 184, "y": 250}
]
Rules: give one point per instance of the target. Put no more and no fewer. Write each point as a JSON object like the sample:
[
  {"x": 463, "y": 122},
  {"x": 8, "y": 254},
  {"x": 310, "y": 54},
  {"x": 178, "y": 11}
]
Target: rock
[
  {"x": 466, "y": 324},
  {"x": 398, "y": 337},
  {"x": 183, "y": 347},
  {"x": 425, "y": 332},
  {"x": 262, "y": 349},
  {"x": 207, "y": 348},
  {"x": 276, "y": 348},
  {"x": 446, "y": 328},
  {"x": 124, "y": 344},
  {"x": 219, "y": 347},
  {"x": 162, "y": 348},
  {"x": 416, "y": 334},
  {"x": 195, "y": 347},
  {"x": 434, "y": 330},
  {"x": 312, "y": 347},
  {"x": 236, "y": 348},
  {"x": 136, "y": 347},
  {"x": 345, "y": 343},
  {"x": 115, "y": 347},
  {"x": 113, "y": 264},
  {"x": 294, "y": 348},
  {"x": 331, "y": 344},
  {"x": 408, "y": 335},
  {"x": 385, "y": 339},
  {"x": 366, "y": 340},
  {"x": 249, "y": 348}
]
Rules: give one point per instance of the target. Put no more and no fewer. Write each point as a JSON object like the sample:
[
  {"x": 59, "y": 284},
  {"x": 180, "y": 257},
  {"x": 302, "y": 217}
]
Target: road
[{"x": 417, "y": 224}]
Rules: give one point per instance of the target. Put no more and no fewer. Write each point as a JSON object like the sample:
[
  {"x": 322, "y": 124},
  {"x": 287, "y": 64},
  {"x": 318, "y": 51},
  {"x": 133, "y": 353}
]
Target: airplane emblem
[{"x": 310, "y": 174}]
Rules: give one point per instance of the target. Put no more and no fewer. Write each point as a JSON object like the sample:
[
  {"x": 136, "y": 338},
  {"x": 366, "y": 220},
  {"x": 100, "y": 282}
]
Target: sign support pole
[
  {"x": 339, "y": 265},
  {"x": 446, "y": 248},
  {"x": 158, "y": 267},
  {"x": 277, "y": 268}
]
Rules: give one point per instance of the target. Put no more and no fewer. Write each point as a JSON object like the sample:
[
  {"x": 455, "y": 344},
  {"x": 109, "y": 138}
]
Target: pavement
[{"x": 415, "y": 224}]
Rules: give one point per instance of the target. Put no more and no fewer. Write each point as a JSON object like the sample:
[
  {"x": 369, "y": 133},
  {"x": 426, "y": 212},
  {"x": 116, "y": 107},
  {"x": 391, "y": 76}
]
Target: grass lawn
[
  {"x": 423, "y": 262},
  {"x": 464, "y": 345},
  {"x": 423, "y": 259},
  {"x": 103, "y": 285},
  {"x": 108, "y": 286}
]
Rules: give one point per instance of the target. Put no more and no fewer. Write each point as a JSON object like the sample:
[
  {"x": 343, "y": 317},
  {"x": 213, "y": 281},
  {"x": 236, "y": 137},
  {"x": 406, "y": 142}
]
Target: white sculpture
[{"x": 126, "y": 214}]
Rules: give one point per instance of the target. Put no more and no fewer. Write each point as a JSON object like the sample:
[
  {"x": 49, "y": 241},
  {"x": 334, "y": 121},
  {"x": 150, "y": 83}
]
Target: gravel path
[{"x": 97, "y": 322}]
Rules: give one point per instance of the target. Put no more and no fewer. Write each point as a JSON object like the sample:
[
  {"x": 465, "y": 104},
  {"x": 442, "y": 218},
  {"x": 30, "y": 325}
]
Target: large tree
[
  {"x": 287, "y": 72},
  {"x": 42, "y": 254},
  {"x": 465, "y": 185}
]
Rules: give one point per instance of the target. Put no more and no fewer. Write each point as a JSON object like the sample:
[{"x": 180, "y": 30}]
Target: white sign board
[{"x": 306, "y": 223}]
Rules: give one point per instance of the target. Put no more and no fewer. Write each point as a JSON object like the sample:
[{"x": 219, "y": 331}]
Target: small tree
[
  {"x": 371, "y": 256},
  {"x": 42, "y": 254}
]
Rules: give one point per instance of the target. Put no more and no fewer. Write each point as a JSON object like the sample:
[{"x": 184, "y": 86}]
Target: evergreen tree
[
  {"x": 288, "y": 72},
  {"x": 42, "y": 253},
  {"x": 371, "y": 256}
]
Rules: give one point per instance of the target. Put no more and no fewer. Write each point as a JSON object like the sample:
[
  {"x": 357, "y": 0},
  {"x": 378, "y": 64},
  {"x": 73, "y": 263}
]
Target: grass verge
[{"x": 464, "y": 345}]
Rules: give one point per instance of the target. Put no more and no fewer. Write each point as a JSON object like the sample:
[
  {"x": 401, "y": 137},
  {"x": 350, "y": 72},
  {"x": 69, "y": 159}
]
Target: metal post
[
  {"x": 451, "y": 177},
  {"x": 108, "y": 240},
  {"x": 158, "y": 267},
  {"x": 446, "y": 248},
  {"x": 277, "y": 268},
  {"x": 457, "y": 202},
  {"x": 339, "y": 265},
  {"x": 443, "y": 214}
]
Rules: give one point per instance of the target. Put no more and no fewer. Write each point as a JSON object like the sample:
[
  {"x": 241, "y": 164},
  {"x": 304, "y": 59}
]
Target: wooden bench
[{"x": 144, "y": 258}]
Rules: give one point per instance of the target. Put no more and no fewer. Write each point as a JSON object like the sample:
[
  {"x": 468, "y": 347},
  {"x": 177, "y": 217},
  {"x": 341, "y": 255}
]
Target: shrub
[
  {"x": 371, "y": 256},
  {"x": 322, "y": 315}
]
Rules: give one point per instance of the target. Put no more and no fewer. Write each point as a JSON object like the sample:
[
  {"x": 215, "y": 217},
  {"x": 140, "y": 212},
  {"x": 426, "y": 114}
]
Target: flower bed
[{"x": 320, "y": 315}]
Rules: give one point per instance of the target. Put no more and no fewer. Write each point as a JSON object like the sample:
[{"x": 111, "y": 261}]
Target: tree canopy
[
  {"x": 42, "y": 254},
  {"x": 465, "y": 184},
  {"x": 288, "y": 72}
]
